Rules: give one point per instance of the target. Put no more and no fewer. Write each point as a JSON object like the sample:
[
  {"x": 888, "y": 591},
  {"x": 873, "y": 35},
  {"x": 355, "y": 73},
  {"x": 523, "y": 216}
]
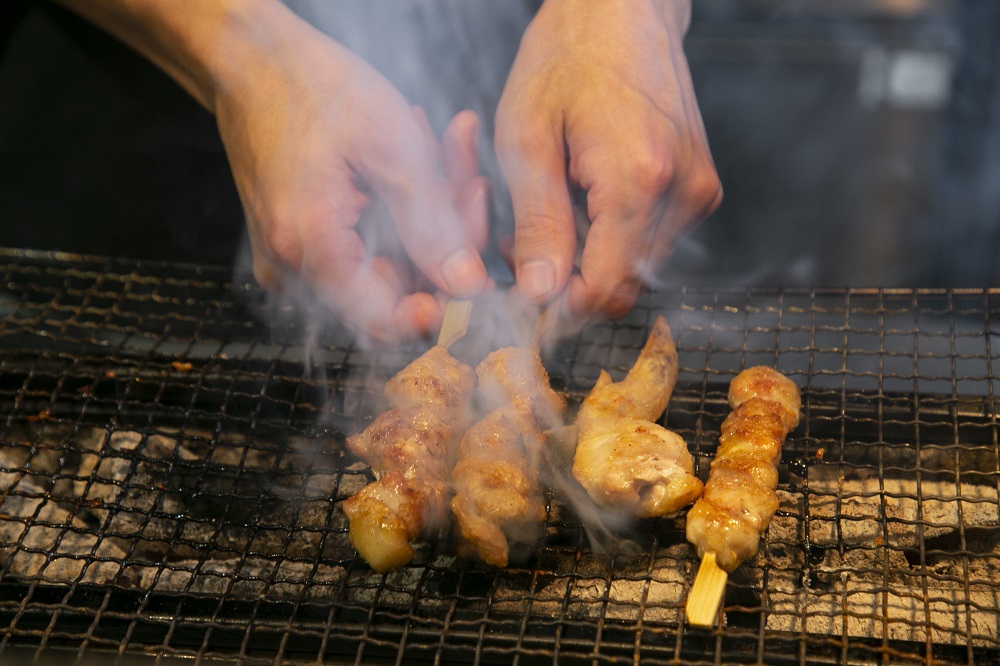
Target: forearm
[
  {"x": 676, "y": 14},
  {"x": 205, "y": 45}
]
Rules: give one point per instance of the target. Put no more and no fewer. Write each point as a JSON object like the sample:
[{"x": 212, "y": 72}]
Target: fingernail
[
  {"x": 537, "y": 278},
  {"x": 463, "y": 273}
]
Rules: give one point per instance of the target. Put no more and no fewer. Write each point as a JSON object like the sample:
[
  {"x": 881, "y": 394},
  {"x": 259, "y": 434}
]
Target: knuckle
[
  {"x": 265, "y": 275},
  {"x": 536, "y": 227},
  {"x": 513, "y": 139},
  {"x": 652, "y": 171},
  {"x": 294, "y": 228},
  {"x": 703, "y": 189},
  {"x": 281, "y": 247},
  {"x": 535, "y": 220}
]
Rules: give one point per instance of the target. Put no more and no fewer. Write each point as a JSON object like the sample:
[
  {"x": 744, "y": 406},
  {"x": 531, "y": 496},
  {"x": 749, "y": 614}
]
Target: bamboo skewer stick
[
  {"x": 706, "y": 593},
  {"x": 546, "y": 319},
  {"x": 455, "y": 323},
  {"x": 766, "y": 406}
]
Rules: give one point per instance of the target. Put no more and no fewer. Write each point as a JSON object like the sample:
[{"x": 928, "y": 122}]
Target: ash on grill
[
  {"x": 203, "y": 514},
  {"x": 165, "y": 488},
  {"x": 171, "y": 513},
  {"x": 884, "y": 563}
]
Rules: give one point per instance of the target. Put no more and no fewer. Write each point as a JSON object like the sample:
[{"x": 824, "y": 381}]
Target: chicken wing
[{"x": 624, "y": 460}]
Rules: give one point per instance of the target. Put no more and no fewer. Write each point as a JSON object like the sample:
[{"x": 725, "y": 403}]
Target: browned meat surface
[
  {"x": 510, "y": 373},
  {"x": 739, "y": 499},
  {"x": 436, "y": 378},
  {"x": 498, "y": 493},
  {"x": 408, "y": 448},
  {"x": 624, "y": 460}
]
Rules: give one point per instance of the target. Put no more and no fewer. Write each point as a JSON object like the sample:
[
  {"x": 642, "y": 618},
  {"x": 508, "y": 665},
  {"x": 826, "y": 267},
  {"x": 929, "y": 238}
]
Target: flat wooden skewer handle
[
  {"x": 706, "y": 593},
  {"x": 455, "y": 323}
]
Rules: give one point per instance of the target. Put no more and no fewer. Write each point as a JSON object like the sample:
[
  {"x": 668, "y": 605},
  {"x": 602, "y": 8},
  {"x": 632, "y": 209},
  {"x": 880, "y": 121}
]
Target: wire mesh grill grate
[{"x": 171, "y": 465}]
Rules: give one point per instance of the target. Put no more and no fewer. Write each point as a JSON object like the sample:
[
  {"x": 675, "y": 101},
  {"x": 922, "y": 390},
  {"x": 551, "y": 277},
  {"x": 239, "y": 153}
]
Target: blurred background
[{"x": 858, "y": 141}]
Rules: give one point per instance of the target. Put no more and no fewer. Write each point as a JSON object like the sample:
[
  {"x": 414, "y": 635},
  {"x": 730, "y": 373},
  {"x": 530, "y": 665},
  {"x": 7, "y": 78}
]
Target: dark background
[{"x": 833, "y": 177}]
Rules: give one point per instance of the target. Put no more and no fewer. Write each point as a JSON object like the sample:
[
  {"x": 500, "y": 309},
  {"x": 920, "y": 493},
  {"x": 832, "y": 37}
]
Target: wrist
[
  {"x": 243, "y": 43},
  {"x": 674, "y": 15}
]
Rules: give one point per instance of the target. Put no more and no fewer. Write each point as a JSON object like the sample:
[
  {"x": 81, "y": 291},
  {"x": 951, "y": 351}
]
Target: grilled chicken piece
[
  {"x": 436, "y": 378},
  {"x": 408, "y": 448},
  {"x": 624, "y": 460},
  {"x": 498, "y": 494},
  {"x": 517, "y": 372},
  {"x": 739, "y": 499}
]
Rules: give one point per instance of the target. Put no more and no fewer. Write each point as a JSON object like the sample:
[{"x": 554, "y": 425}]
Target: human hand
[
  {"x": 345, "y": 187},
  {"x": 600, "y": 98}
]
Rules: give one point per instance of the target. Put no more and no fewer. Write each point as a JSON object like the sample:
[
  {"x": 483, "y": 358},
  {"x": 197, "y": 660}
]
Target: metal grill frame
[{"x": 898, "y": 387}]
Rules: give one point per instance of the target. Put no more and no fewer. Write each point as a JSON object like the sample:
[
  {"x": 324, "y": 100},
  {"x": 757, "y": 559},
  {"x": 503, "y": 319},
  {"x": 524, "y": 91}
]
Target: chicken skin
[
  {"x": 624, "y": 460},
  {"x": 739, "y": 499},
  {"x": 409, "y": 448},
  {"x": 496, "y": 479}
]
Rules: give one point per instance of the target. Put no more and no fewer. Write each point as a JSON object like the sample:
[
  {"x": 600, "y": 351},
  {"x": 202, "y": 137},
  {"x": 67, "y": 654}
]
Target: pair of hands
[{"x": 346, "y": 188}]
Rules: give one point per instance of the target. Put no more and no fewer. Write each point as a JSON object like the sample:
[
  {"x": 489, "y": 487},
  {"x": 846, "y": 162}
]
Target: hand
[
  {"x": 600, "y": 99},
  {"x": 343, "y": 185},
  {"x": 346, "y": 187}
]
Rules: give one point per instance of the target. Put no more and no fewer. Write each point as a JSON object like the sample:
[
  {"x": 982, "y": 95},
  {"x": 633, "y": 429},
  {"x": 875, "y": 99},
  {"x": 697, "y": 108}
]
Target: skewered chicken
[
  {"x": 408, "y": 448},
  {"x": 498, "y": 494},
  {"x": 624, "y": 460},
  {"x": 739, "y": 499}
]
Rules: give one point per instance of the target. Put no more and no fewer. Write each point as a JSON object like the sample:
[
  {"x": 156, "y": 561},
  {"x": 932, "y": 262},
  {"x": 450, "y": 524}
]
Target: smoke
[
  {"x": 443, "y": 55},
  {"x": 819, "y": 163}
]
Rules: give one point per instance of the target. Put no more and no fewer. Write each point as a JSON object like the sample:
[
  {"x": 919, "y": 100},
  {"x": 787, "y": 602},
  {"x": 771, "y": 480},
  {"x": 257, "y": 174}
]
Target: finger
[
  {"x": 412, "y": 313},
  {"x": 625, "y": 198},
  {"x": 461, "y": 160},
  {"x": 470, "y": 190},
  {"x": 429, "y": 138},
  {"x": 533, "y": 163},
  {"x": 472, "y": 202},
  {"x": 266, "y": 271},
  {"x": 419, "y": 314},
  {"x": 365, "y": 291},
  {"x": 606, "y": 285},
  {"x": 587, "y": 298},
  {"x": 402, "y": 172},
  {"x": 637, "y": 206}
]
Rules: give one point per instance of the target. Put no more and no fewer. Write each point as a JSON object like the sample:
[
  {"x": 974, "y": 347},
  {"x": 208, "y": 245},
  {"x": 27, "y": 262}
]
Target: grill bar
[{"x": 172, "y": 456}]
